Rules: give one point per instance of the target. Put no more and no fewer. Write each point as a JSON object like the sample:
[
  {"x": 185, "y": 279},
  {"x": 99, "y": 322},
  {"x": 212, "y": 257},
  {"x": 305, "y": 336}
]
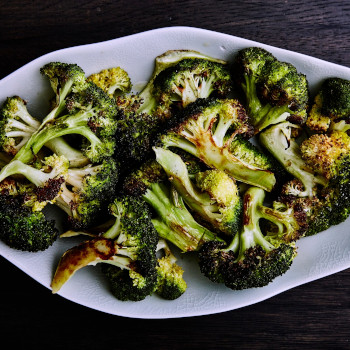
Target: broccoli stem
[
  {"x": 251, "y": 234},
  {"x": 177, "y": 172},
  {"x": 35, "y": 176},
  {"x": 53, "y": 132},
  {"x": 69, "y": 124},
  {"x": 277, "y": 140},
  {"x": 114, "y": 231},
  {"x": 60, "y": 147},
  {"x": 34, "y": 145},
  {"x": 175, "y": 223},
  {"x": 61, "y": 103},
  {"x": 221, "y": 158},
  {"x": 76, "y": 175},
  {"x": 65, "y": 201}
]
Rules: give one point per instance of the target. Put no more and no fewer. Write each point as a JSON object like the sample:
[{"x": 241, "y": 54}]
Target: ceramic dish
[{"x": 319, "y": 256}]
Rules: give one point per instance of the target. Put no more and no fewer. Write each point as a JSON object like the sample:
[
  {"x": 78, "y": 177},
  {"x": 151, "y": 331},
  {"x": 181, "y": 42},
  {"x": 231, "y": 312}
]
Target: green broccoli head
[
  {"x": 87, "y": 192},
  {"x": 134, "y": 233},
  {"x": 128, "y": 285},
  {"x": 331, "y": 106},
  {"x": 20, "y": 227},
  {"x": 279, "y": 142},
  {"x": 91, "y": 114},
  {"x": 94, "y": 108},
  {"x": 128, "y": 245},
  {"x": 48, "y": 179},
  {"x": 64, "y": 78},
  {"x": 251, "y": 62},
  {"x": 190, "y": 79},
  {"x": 135, "y": 135},
  {"x": 326, "y": 154},
  {"x": 171, "y": 217},
  {"x": 207, "y": 129},
  {"x": 96, "y": 180},
  {"x": 253, "y": 259},
  {"x": 16, "y": 125},
  {"x": 171, "y": 284},
  {"x": 274, "y": 90},
  {"x": 112, "y": 81},
  {"x": 163, "y": 90},
  {"x": 213, "y": 195}
]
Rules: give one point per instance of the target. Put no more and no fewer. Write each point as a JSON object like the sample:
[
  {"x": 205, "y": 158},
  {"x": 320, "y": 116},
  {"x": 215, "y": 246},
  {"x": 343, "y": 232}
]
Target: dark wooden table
[{"x": 312, "y": 316}]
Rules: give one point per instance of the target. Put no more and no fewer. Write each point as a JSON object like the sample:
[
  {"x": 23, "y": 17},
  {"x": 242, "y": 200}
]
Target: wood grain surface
[{"x": 312, "y": 316}]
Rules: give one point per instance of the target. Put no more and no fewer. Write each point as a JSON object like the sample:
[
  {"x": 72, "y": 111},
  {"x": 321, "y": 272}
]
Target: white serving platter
[{"x": 319, "y": 256}]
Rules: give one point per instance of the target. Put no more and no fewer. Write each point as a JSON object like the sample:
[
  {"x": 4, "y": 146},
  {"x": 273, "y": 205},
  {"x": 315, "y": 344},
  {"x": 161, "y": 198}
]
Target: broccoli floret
[
  {"x": 327, "y": 209},
  {"x": 112, "y": 81},
  {"x": 325, "y": 154},
  {"x": 64, "y": 78},
  {"x": 329, "y": 155},
  {"x": 190, "y": 79},
  {"x": 135, "y": 134},
  {"x": 245, "y": 150},
  {"x": 171, "y": 218},
  {"x": 20, "y": 227},
  {"x": 278, "y": 141},
  {"x": 142, "y": 116},
  {"x": 206, "y": 131},
  {"x": 331, "y": 106},
  {"x": 128, "y": 285},
  {"x": 252, "y": 259},
  {"x": 17, "y": 126},
  {"x": 129, "y": 245},
  {"x": 150, "y": 100},
  {"x": 91, "y": 114},
  {"x": 213, "y": 195},
  {"x": 87, "y": 192},
  {"x": 274, "y": 90},
  {"x": 48, "y": 180},
  {"x": 170, "y": 283}
]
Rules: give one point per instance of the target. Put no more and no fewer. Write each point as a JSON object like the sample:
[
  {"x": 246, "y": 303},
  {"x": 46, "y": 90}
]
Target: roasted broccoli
[
  {"x": 91, "y": 114},
  {"x": 331, "y": 106},
  {"x": 320, "y": 168},
  {"x": 142, "y": 116},
  {"x": 326, "y": 154},
  {"x": 213, "y": 195},
  {"x": 17, "y": 127},
  {"x": 329, "y": 156},
  {"x": 199, "y": 73},
  {"x": 20, "y": 227},
  {"x": 254, "y": 258},
  {"x": 112, "y": 81},
  {"x": 48, "y": 179},
  {"x": 206, "y": 130},
  {"x": 16, "y": 124},
  {"x": 190, "y": 79},
  {"x": 279, "y": 142},
  {"x": 87, "y": 192},
  {"x": 64, "y": 78},
  {"x": 170, "y": 282},
  {"x": 274, "y": 90},
  {"x": 171, "y": 218},
  {"x": 135, "y": 134},
  {"x": 128, "y": 280},
  {"x": 129, "y": 246}
]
